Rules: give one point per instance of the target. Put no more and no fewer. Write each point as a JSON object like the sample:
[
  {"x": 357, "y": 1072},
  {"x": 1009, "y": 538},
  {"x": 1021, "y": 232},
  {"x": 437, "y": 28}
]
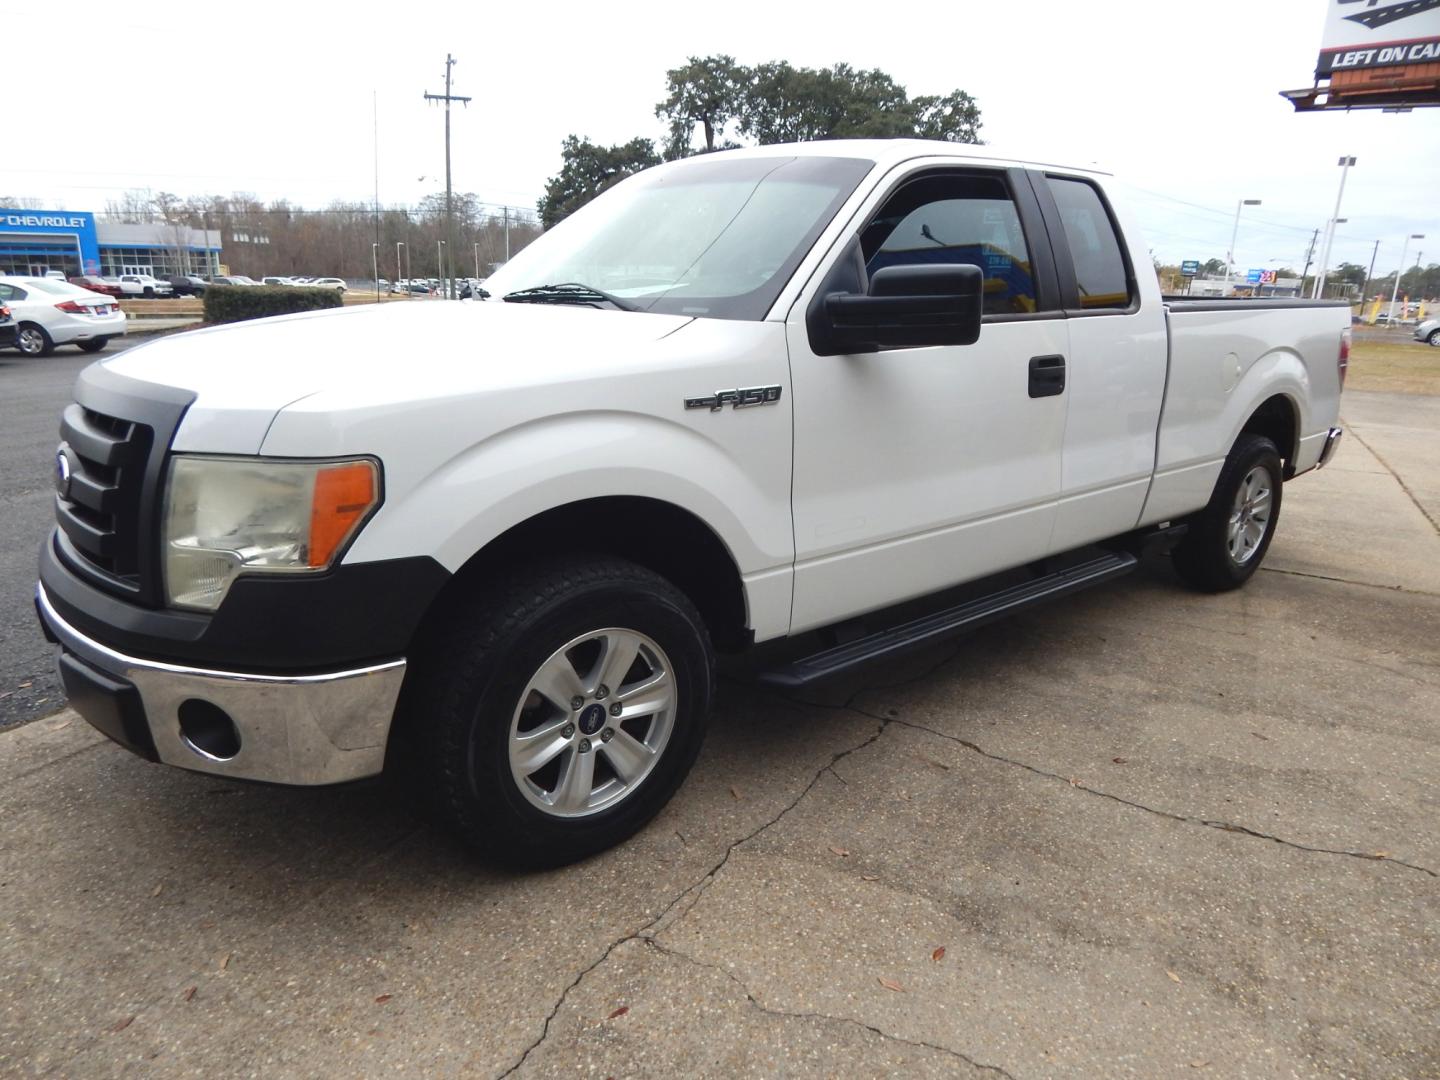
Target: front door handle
[{"x": 1047, "y": 375}]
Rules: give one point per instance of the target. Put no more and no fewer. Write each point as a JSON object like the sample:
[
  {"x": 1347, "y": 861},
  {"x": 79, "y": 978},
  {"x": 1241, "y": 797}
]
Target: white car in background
[
  {"x": 49, "y": 313},
  {"x": 338, "y": 284}
]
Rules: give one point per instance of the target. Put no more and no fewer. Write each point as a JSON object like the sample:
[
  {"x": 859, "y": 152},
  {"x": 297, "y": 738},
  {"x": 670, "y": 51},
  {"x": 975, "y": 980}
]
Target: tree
[
  {"x": 783, "y": 103},
  {"x": 1211, "y": 267},
  {"x": 1350, "y": 274},
  {"x": 953, "y": 118},
  {"x": 1417, "y": 283},
  {"x": 707, "y": 91},
  {"x": 135, "y": 206},
  {"x": 587, "y": 169},
  {"x": 773, "y": 102}
]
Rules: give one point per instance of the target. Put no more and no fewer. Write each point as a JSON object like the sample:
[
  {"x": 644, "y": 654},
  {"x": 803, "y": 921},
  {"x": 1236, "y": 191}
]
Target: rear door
[
  {"x": 1115, "y": 378},
  {"x": 916, "y": 469}
]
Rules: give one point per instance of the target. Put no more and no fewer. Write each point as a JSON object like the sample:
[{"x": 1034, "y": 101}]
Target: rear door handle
[{"x": 1047, "y": 375}]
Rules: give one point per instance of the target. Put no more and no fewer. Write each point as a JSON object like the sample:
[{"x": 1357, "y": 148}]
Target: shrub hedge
[{"x": 235, "y": 303}]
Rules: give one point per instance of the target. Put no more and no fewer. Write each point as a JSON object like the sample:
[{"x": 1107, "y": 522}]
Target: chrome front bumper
[{"x": 292, "y": 729}]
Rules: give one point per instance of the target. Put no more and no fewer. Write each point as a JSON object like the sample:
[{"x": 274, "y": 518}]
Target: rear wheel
[
  {"x": 1228, "y": 540},
  {"x": 94, "y": 344},
  {"x": 34, "y": 341},
  {"x": 554, "y": 716}
]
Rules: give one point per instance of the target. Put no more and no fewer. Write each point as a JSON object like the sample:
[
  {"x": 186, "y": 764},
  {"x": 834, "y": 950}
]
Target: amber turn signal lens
[{"x": 344, "y": 494}]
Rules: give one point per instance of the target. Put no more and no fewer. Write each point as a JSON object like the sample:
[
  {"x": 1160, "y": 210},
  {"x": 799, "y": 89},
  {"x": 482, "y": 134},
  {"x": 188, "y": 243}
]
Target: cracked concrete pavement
[{"x": 1154, "y": 834}]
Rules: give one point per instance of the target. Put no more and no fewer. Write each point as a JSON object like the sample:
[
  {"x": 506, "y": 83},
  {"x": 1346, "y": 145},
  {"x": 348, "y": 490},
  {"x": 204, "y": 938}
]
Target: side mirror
[{"x": 903, "y": 307}]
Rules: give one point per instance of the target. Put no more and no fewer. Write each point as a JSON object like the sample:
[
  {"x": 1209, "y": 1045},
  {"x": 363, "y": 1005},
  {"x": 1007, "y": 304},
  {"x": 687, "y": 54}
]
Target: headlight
[{"x": 228, "y": 516}]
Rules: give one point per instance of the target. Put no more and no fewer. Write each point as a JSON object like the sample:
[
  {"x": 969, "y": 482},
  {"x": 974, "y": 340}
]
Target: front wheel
[
  {"x": 552, "y": 717},
  {"x": 1228, "y": 540},
  {"x": 1434, "y": 338},
  {"x": 94, "y": 344},
  {"x": 34, "y": 341}
]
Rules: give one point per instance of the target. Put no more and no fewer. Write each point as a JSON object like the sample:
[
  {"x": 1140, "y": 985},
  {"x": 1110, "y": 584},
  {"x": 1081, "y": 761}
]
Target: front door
[{"x": 916, "y": 469}]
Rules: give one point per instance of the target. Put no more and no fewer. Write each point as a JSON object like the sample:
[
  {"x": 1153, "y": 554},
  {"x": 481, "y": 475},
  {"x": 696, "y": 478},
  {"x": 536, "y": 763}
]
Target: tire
[
  {"x": 1228, "y": 540},
  {"x": 149, "y": 293},
  {"x": 1433, "y": 339},
  {"x": 94, "y": 344},
  {"x": 34, "y": 341},
  {"x": 471, "y": 712}
]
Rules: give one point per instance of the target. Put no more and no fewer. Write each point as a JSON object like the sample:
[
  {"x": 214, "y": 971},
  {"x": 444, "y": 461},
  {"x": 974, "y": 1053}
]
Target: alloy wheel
[
  {"x": 592, "y": 722},
  {"x": 1249, "y": 515}
]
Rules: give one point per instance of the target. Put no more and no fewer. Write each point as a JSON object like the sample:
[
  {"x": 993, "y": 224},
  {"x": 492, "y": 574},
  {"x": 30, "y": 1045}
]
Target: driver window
[{"x": 956, "y": 219}]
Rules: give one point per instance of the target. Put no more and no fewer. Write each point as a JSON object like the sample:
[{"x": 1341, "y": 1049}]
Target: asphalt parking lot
[{"x": 1138, "y": 833}]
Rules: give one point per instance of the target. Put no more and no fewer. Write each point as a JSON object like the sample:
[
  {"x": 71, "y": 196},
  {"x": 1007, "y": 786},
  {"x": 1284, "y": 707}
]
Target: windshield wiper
[{"x": 567, "y": 292}]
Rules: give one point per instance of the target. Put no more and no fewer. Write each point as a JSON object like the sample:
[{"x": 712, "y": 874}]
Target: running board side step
[{"x": 947, "y": 623}]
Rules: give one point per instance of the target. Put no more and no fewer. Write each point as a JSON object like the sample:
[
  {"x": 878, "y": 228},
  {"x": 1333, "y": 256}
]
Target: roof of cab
[{"x": 889, "y": 152}]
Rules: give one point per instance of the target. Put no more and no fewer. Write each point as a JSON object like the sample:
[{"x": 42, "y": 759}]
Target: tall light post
[
  {"x": 375, "y": 260},
  {"x": 477, "y": 260},
  {"x": 1234, "y": 233},
  {"x": 1322, "y": 271},
  {"x": 1404, "y": 250},
  {"x": 440, "y": 260},
  {"x": 1344, "y": 163},
  {"x": 400, "y": 270}
]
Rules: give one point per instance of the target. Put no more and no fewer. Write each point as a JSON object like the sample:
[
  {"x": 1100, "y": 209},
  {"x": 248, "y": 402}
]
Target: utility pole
[
  {"x": 375, "y": 244},
  {"x": 447, "y": 98},
  {"x": 1365, "y": 292},
  {"x": 507, "y": 232},
  {"x": 1309, "y": 255}
]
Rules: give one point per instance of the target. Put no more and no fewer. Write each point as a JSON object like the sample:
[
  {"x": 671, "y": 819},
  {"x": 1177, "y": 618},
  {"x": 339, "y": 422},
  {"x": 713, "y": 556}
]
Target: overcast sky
[{"x": 1180, "y": 100}]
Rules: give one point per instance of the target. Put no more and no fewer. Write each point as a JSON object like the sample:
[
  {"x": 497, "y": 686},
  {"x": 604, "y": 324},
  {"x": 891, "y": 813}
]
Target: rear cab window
[{"x": 1102, "y": 273}]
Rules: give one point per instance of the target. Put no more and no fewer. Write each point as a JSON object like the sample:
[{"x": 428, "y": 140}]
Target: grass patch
[{"x": 1394, "y": 367}]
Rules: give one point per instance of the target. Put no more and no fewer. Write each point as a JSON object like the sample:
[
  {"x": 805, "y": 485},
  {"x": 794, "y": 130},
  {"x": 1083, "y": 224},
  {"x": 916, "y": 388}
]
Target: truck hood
[{"x": 243, "y": 375}]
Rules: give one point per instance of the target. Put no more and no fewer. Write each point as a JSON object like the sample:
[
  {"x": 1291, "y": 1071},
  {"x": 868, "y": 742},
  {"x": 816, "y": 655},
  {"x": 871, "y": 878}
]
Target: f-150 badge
[{"x": 741, "y": 398}]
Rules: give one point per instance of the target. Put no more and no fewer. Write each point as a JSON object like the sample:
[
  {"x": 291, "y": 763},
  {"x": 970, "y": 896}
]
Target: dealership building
[{"x": 34, "y": 242}]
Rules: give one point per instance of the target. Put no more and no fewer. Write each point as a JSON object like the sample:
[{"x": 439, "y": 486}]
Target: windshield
[{"x": 714, "y": 236}]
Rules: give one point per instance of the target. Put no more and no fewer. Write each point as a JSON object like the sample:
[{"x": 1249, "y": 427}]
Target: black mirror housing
[{"x": 902, "y": 307}]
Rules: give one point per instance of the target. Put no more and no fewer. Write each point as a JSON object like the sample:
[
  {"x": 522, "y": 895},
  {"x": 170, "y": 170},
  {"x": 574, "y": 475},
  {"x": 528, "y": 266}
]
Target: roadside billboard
[{"x": 1363, "y": 34}]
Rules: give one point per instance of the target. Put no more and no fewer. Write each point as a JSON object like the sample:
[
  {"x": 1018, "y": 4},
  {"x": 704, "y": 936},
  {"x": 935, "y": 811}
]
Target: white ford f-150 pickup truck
[{"x": 785, "y": 395}]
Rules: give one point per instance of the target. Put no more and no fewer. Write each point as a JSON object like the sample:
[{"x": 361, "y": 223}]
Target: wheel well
[
  {"x": 657, "y": 535},
  {"x": 1275, "y": 419}
]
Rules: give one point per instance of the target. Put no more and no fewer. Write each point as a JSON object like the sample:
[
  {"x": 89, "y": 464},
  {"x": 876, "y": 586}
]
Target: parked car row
[
  {"x": 434, "y": 286},
  {"x": 338, "y": 284},
  {"x": 46, "y": 312}
]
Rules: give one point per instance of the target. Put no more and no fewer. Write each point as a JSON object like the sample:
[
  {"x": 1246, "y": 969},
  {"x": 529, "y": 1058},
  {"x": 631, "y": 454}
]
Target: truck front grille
[{"x": 101, "y": 468}]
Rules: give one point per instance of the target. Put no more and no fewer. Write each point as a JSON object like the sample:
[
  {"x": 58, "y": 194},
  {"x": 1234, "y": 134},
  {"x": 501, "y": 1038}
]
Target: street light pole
[
  {"x": 400, "y": 270},
  {"x": 1395, "y": 293},
  {"x": 1344, "y": 163},
  {"x": 375, "y": 260},
  {"x": 477, "y": 260},
  {"x": 1234, "y": 233},
  {"x": 440, "y": 258}
]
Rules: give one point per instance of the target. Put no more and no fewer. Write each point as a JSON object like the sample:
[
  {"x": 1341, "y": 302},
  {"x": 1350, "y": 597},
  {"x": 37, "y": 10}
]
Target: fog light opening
[{"x": 208, "y": 730}]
